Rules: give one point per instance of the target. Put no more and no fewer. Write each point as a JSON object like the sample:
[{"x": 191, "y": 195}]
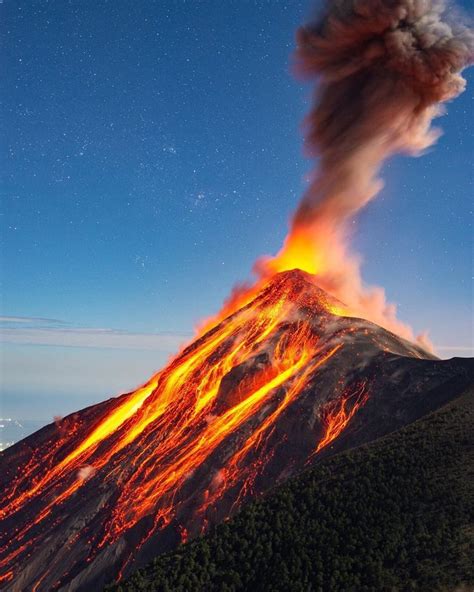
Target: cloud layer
[{"x": 52, "y": 332}]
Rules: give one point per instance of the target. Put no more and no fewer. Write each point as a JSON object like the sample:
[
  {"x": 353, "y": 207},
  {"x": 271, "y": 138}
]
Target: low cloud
[
  {"x": 30, "y": 321},
  {"x": 51, "y": 332},
  {"x": 451, "y": 351}
]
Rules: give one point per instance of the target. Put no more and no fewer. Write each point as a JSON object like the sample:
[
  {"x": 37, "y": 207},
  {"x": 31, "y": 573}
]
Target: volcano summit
[{"x": 282, "y": 382}]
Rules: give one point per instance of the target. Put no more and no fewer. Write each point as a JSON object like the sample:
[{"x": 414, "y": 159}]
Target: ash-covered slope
[{"x": 279, "y": 384}]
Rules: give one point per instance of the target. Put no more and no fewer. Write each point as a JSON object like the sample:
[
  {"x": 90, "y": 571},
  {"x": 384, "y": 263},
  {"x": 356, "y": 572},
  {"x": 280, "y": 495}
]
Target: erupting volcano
[
  {"x": 287, "y": 372},
  {"x": 266, "y": 392}
]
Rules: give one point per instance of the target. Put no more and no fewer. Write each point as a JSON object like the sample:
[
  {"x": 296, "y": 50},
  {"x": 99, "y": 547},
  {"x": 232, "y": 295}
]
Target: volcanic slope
[{"x": 284, "y": 381}]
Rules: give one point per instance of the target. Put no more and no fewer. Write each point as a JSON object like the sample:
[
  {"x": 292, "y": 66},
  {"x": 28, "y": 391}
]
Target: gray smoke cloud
[{"x": 384, "y": 68}]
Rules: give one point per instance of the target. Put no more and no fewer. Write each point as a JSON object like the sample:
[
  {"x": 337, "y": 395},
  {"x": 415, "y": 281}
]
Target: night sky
[{"x": 151, "y": 152}]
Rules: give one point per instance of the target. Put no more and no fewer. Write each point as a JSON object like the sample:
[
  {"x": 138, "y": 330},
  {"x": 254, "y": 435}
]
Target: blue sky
[{"x": 153, "y": 151}]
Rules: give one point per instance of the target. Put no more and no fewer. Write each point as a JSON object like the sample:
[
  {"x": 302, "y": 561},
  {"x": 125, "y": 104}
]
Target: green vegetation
[{"x": 394, "y": 515}]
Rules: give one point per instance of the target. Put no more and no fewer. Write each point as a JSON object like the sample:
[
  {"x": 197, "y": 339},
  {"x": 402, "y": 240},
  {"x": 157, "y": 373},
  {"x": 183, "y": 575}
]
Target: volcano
[{"x": 282, "y": 382}]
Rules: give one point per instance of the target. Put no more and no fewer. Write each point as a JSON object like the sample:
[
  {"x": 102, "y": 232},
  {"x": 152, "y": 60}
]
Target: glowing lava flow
[
  {"x": 300, "y": 252},
  {"x": 338, "y": 414},
  {"x": 110, "y": 424},
  {"x": 150, "y": 447},
  {"x": 240, "y": 465}
]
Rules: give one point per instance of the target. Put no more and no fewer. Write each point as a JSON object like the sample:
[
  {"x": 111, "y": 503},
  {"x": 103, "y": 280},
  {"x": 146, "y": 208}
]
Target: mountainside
[
  {"x": 393, "y": 515},
  {"x": 275, "y": 387}
]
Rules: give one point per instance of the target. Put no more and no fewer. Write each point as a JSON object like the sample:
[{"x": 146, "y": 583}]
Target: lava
[{"x": 338, "y": 414}]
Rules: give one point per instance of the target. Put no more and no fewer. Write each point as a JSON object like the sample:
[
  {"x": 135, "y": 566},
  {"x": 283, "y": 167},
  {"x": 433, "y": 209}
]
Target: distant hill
[{"x": 393, "y": 515}]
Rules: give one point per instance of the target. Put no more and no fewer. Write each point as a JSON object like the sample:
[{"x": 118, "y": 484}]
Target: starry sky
[{"x": 151, "y": 152}]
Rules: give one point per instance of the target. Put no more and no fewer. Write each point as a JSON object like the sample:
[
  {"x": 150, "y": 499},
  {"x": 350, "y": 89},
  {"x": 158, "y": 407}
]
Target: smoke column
[{"x": 384, "y": 68}]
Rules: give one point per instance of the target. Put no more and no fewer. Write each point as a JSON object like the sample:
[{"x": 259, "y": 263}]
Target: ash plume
[{"x": 384, "y": 68}]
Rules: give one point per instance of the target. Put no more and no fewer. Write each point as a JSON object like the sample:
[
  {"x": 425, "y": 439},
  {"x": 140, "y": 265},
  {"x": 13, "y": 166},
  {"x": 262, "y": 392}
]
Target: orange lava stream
[
  {"x": 237, "y": 465},
  {"x": 105, "y": 428},
  {"x": 6, "y": 577},
  {"x": 337, "y": 415},
  {"x": 186, "y": 453}
]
